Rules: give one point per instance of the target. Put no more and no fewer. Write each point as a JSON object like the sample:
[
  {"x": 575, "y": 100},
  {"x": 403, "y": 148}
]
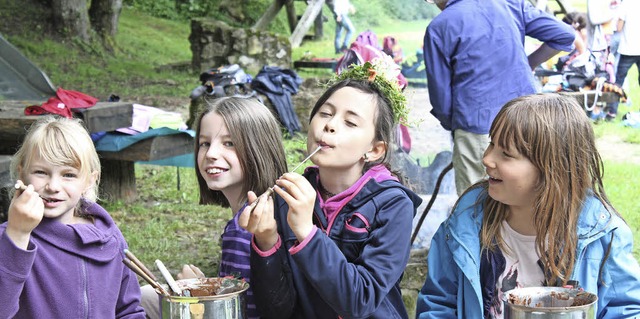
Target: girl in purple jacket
[{"x": 60, "y": 252}]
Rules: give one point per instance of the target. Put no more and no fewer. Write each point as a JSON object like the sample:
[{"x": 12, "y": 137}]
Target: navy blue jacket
[
  {"x": 350, "y": 267},
  {"x": 278, "y": 85}
]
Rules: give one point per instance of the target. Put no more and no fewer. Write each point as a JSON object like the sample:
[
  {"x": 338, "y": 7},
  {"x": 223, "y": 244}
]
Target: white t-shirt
[
  {"x": 630, "y": 37},
  {"x": 521, "y": 266}
]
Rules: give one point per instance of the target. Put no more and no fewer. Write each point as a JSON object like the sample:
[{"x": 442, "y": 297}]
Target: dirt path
[
  {"x": 429, "y": 137},
  {"x": 613, "y": 148}
]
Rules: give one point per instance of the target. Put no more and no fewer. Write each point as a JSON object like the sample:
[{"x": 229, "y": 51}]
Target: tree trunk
[
  {"x": 104, "y": 15},
  {"x": 71, "y": 19}
]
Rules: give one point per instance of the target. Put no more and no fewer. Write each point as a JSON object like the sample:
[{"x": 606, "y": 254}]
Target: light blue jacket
[{"x": 452, "y": 288}]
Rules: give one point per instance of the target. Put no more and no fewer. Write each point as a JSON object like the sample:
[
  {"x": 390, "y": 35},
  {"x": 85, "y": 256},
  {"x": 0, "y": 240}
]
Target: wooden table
[{"x": 104, "y": 116}]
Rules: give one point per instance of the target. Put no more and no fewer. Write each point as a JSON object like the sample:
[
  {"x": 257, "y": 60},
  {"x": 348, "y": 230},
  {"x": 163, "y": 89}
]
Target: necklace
[{"x": 325, "y": 193}]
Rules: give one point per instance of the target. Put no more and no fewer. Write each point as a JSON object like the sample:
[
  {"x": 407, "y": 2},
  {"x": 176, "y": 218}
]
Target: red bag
[{"x": 62, "y": 103}]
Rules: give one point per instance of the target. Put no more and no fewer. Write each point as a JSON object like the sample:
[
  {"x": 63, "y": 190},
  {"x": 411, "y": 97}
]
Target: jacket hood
[{"x": 97, "y": 241}]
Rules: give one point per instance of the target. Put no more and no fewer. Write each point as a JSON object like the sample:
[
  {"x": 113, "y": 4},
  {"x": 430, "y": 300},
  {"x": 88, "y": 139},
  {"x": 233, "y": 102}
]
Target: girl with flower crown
[{"x": 334, "y": 241}]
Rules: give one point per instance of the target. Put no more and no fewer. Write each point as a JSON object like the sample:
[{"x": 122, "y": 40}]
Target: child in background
[
  {"x": 335, "y": 241},
  {"x": 239, "y": 148},
  {"x": 542, "y": 218},
  {"x": 61, "y": 253}
]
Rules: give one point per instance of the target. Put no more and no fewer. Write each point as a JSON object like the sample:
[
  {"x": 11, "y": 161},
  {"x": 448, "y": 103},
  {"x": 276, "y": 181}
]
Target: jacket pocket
[{"x": 357, "y": 224}]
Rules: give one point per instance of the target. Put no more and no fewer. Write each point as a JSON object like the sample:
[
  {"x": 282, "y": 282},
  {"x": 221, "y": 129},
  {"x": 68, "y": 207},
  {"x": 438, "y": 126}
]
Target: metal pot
[
  {"x": 223, "y": 298},
  {"x": 549, "y": 303}
]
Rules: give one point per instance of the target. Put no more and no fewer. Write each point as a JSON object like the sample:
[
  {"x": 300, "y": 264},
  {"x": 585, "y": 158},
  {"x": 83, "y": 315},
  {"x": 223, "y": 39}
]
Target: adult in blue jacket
[
  {"x": 544, "y": 194},
  {"x": 476, "y": 61}
]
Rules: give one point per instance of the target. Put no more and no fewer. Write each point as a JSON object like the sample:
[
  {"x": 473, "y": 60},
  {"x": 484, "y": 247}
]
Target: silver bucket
[
  {"x": 549, "y": 303},
  {"x": 211, "y": 298}
]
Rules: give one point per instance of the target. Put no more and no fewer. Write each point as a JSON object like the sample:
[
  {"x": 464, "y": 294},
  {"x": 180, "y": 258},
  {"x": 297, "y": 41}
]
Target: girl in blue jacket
[
  {"x": 542, "y": 218},
  {"x": 338, "y": 240},
  {"x": 60, "y": 252}
]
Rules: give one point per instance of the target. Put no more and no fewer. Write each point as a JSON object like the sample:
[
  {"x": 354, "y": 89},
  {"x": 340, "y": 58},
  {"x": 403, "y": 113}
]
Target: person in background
[
  {"x": 629, "y": 47},
  {"x": 61, "y": 254},
  {"x": 603, "y": 42},
  {"x": 334, "y": 242},
  {"x": 541, "y": 218},
  {"x": 475, "y": 60},
  {"x": 239, "y": 149},
  {"x": 578, "y": 21},
  {"x": 341, "y": 10}
]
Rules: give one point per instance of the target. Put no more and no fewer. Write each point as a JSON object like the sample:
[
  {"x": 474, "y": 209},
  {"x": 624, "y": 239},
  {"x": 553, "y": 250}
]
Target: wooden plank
[
  {"x": 104, "y": 116},
  {"x": 315, "y": 64},
  {"x": 155, "y": 148},
  {"x": 305, "y": 22},
  {"x": 269, "y": 15}
]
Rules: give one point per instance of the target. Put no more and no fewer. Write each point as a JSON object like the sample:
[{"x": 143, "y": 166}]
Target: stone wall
[{"x": 214, "y": 43}]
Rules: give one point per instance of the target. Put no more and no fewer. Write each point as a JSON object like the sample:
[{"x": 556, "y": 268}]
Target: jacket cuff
[
  {"x": 298, "y": 247},
  {"x": 21, "y": 260},
  {"x": 268, "y": 252}
]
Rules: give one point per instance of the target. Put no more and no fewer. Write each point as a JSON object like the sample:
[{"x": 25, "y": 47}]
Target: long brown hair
[
  {"x": 554, "y": 133},
  {"x": 257, "y": 137}
]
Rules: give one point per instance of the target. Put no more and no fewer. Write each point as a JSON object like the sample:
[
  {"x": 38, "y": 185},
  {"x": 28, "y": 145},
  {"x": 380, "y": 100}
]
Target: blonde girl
[{"x": 60, "y": 252}]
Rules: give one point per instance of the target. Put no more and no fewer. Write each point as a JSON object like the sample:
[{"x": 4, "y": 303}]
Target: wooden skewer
[
  {"x": 270, "y": 189},
  {"x": 138, "y": 263},
  {"x": 21, "y": 186},
  {"x": 144, "y": 276}
]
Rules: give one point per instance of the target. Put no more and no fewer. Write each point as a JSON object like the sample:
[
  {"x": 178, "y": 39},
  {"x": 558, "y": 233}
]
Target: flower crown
[{"x": 382, "y": 73}]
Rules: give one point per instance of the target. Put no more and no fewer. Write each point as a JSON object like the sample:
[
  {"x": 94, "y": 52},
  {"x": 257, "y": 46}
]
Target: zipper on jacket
[{"x": 85, "y": 297}]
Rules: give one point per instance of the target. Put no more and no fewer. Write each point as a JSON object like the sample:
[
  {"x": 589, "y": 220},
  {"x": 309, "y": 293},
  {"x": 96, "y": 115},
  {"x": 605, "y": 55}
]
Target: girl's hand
[
  {"x": 25, "y": 213},
  {"x": 301, "y": 197},
  {"x": 190, "y": 271},
  {"x": 260, "y": 222}
]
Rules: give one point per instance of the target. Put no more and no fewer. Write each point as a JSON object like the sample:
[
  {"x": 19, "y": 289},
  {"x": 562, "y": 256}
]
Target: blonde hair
[
  {"x": 554, "y": 133},
  {"x": 61, "y": 142},
  {"x": 257, "y": 137}
]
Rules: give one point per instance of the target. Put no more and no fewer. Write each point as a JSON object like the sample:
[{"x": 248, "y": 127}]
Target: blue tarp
[{"x": 115, "y": 141}]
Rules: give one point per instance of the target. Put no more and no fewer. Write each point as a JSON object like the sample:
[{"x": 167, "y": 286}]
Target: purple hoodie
[{"x": 69, "y": 271}]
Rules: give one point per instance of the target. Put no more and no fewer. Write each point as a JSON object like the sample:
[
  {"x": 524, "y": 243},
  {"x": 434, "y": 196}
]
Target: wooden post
[
  {"x": 318, "y": 27},
  {"x": 118, "y": 181},
  {"x": 269, "y": 15},
  {"x": 291, "y": 15},
  {"x": 305, "y": 22}
]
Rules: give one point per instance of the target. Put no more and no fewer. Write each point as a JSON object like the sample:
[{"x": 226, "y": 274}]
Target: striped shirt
[{"x": 234, "y": 259}]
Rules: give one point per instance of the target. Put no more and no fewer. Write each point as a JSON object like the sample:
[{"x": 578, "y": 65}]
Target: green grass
[{"x": 622, "y": 181}]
